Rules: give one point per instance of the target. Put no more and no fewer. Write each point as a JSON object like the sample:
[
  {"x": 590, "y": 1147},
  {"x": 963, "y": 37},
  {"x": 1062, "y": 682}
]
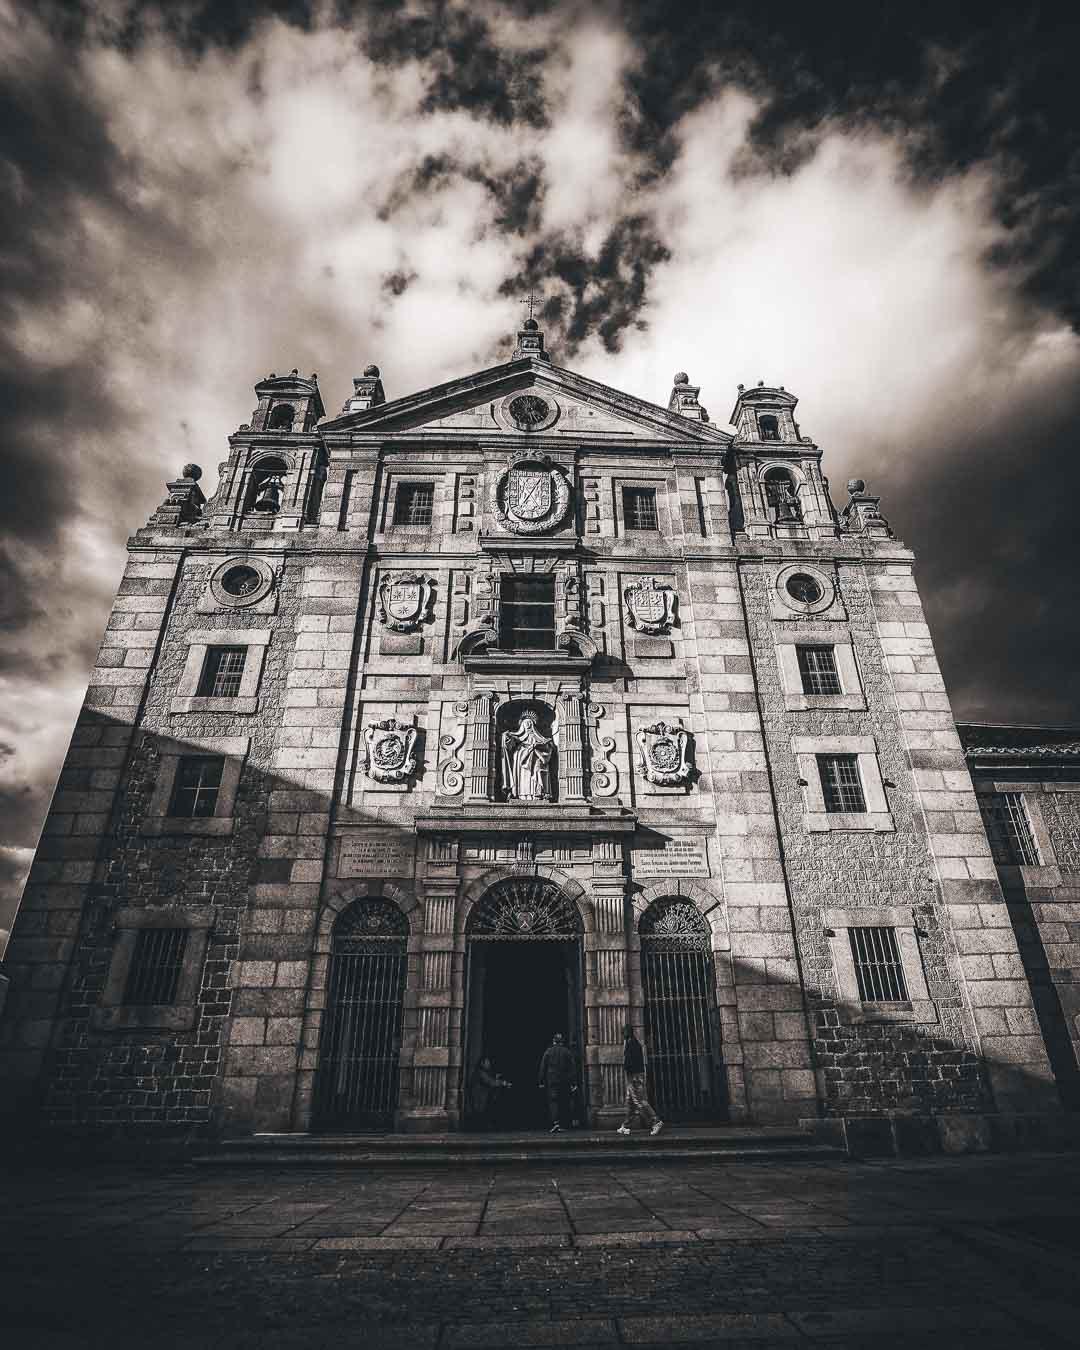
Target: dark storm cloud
[
  {"x": 966, "y": 83},
  {"x": 603, "y": 292},
  {"x": 517, "y": 193},
  {"x": 992, "y": 525}
]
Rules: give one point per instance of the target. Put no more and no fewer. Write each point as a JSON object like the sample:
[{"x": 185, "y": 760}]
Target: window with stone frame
[
  {"x": 879, "y": 967},
  {"x": 196, "y": 786},
  {"x": 841, "y": 785},
  {"x": 414, "y": 503},
  {"x": 769, "y": 427},
  {"x": 223, "y": 671},
  {"x": 527, "y": 613},
  {"x": 817, "y": 669},
  {"x": 1008, "y": 827},
  {"x": 639, "y": 508},
  {"x": 157, "y": 962}
]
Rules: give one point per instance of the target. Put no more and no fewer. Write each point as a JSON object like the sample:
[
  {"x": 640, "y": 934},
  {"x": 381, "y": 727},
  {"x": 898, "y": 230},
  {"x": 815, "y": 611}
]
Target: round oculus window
[
  {"x": 241, "y": 581},
  {"x": 803, "y": 588},
  {"x": 528, "y": 410}
]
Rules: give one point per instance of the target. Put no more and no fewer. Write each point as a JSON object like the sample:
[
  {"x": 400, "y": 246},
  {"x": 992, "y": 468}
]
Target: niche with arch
[
  {"x": 282, "y": 417},
  {"x": 782, "y": 496},
  {"x": 266, "y": 488},
  {"x": 526, "y": 762}
]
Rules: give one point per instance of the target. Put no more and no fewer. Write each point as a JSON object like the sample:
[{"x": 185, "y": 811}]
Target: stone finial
[
  {"x": 185, "y": 500},
  {"x": 367, "y": 391},
  {"x": 861, "y": 515},
  {"x": 684, "y": 399}
]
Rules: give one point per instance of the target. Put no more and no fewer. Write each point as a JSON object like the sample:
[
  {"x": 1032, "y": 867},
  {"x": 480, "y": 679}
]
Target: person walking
[
  {"x": 637, "y": 1103},
  {"x": 487, "y": 1090},
  {"x": 557, "y": 1076}
]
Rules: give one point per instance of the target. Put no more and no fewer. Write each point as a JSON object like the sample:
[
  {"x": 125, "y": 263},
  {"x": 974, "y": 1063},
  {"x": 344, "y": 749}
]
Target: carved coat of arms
[
  {"x": 390, "y": 750},
  {"x": 651, "y": 605},
  {"x": 404, "y": 600},
  {"x": 662, "y": 751},
  {"x": 531, "y": 496}
]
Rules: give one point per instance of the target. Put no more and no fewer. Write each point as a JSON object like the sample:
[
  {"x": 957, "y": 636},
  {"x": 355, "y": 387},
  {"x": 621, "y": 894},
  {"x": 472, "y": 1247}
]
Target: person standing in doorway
[
  {"x": 557, "y": 1076},
  {"x": 637, "y": 1103}
]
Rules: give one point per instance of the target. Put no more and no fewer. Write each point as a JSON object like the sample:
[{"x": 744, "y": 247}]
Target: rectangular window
[
  {"x": 639, "y": 508},
  {"x": 1009, "y": 830},
  {"x": 413, "y": 503},
  {"x": 527, "y": 614},
  {"x": 840, "y": 783},
  {"x": 196, "y": 786},
  {"x": 222, "y": 671},
  {"x": 878, "y": 967},
  {"x": 817, "y": 667},
  {"x": 155, "y": 967}
]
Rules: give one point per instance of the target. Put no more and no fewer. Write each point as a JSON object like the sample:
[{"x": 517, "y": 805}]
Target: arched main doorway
[
  {"x": 524, "y": 983},
  {"x": 356, "y": 1087},
  {"x": 681, "y": 1020}
]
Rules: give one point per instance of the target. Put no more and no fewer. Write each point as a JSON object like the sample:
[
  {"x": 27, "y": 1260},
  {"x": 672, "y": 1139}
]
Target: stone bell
[{"x": 270, "y": 495}]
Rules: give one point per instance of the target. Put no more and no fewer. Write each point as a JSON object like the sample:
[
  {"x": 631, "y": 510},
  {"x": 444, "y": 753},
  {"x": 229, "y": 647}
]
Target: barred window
[
  {"x": 639, "y": 508},
  {"x": 155, "y": 967},
  {"x": 878, "y": 966},
  {"x": 527, "y": 613},
  {"x": 222, "y": 672},
  {"x": 817, "y": 666},
  {"x": 413, "y": 503},
  {"x": 1011, "y": 839},
  {"x": 840, "y": 783},
  {"x": 196, "y": 786}
]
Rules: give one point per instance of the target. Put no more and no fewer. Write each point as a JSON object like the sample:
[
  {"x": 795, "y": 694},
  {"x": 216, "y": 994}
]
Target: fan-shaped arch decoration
[
  {"x": 523, "y": 909},
  {"x": 365, "y": 921},
  {"x": 674, "y": 923}
]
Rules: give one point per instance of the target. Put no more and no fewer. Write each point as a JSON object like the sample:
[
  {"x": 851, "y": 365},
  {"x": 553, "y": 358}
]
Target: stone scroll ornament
[
  {"x": 531, "y": 496},
  {"x": 662, "y": 750},
  {"x": 651, "y": 605},
  {"x": 390, "y": 750},
  {"x": 404, "y": 600}
]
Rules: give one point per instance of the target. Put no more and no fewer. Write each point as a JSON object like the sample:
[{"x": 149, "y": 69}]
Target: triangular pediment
[{"x": 564, "y": 404}]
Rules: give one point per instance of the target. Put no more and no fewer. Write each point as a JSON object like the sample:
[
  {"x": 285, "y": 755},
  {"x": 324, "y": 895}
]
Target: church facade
[{"x": 517, "y": 705}]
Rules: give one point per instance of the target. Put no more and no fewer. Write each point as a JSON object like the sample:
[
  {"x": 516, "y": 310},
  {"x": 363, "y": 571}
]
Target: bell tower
[
  {"x": 775, "y": 481},
  {"x": 273, "y": 478}
]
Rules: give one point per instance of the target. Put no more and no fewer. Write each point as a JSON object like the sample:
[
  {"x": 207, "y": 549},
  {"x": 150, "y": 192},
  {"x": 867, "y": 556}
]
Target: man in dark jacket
[
  {"x": 637, "y": 1103},
  {"x": 557, "y": 1077}
]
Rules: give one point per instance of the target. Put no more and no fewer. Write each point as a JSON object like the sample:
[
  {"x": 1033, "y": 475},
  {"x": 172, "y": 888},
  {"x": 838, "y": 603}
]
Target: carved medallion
[
  {"x": 528, "y": 410},
  {"x": 651, "y": 605},
  {"x": 390, "y": 750},
  {"x": 662, "y": 750},
  {"x": 532, "y": 496},
  {"x": 404, "y": 600}
]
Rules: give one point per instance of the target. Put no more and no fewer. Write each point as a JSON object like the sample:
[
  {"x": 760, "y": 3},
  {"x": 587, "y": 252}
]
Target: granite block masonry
[{"x": 521, "y": 705}]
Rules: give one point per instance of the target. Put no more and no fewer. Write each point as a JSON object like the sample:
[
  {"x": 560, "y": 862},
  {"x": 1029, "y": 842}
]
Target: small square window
[
  {"x": 156, "y": 965},
  {"x": 413, "y": 503},
  {"x": 840, "y": 783},
  {"x": 527, "y": 614},
  {"x": 817, "y": 669},
  {"x": 222, "y": 672},
  {"x": 196, "y": 786},
  {"x": 878, "y": 965},
  {"x": 639, "y": 509},
  {"x": 1008, "y": 827}
]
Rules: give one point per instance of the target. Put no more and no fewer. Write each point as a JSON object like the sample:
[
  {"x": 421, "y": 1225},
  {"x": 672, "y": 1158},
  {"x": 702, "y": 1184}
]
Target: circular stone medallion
[{"x": 241, "y": 581}]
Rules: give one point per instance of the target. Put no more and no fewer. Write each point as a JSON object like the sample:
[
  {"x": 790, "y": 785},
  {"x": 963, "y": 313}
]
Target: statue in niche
[{"x": 526, "y": 761}]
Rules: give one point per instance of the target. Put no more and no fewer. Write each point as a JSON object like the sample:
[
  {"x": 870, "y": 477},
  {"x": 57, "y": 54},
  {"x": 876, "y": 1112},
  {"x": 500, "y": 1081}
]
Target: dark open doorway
[{"x": 520, "y": 994}]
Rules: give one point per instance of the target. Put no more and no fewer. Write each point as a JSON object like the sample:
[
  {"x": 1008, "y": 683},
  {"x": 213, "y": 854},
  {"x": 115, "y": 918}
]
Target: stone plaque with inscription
[
  {"x": 685, "y": 856},
  {"x": 377, "y": 855}
]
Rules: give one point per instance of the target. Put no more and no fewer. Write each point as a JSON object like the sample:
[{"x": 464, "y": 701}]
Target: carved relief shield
[
  {"x": 650, "y": 605},
  {"x": 528, "y": 493},
  {"x": 403, "y": 599}
]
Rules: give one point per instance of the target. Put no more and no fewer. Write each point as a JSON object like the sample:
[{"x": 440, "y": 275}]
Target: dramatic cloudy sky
[{"x": 874, "y": 205}]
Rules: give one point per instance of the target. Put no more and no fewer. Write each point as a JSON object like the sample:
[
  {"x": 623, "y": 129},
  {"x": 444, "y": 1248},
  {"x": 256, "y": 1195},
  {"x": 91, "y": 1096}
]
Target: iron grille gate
[
  {"x": 357, "y": 1084},
  {"x": 680, "y": 1011}
]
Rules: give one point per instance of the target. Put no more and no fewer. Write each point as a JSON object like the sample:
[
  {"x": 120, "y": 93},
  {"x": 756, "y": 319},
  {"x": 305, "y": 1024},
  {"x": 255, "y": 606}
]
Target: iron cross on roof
[{"x": 532, "y": 301}]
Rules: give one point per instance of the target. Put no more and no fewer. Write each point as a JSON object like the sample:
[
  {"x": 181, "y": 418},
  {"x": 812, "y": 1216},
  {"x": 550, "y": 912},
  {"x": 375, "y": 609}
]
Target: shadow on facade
[{"x": 263, "y": 895}]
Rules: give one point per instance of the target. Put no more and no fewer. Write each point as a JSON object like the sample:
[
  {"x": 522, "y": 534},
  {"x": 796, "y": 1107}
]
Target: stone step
[{"x": 730, "y": 1144}]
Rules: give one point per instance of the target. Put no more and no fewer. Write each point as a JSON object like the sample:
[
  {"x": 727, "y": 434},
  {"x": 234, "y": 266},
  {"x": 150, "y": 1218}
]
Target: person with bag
[{"x": 637, "y": 1103}]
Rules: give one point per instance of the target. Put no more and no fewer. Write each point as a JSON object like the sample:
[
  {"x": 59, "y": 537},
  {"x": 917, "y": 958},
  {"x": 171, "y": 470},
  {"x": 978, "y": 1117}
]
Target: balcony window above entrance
[{"x": 527, "y": 614}]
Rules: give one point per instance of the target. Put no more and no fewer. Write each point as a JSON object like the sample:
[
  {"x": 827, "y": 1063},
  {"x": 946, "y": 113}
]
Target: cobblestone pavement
[{"x": 951, "y": 1252}]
